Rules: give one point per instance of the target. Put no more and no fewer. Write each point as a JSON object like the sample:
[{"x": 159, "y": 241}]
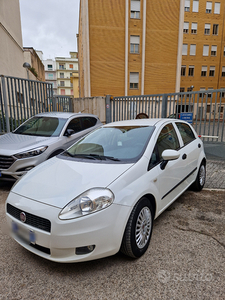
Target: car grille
[
  {"x": 32, "y": 220},
  {"x": 6, "y": 161}
]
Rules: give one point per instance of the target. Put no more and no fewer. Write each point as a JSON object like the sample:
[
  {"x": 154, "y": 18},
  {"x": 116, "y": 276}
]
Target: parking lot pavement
[
  {"x": 185, "y": 259},
  {"x": 215, "y": 178}
]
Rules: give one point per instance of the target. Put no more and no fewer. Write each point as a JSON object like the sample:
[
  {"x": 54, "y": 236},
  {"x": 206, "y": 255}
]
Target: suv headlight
[
  {"x": 87, "y": 203},
  {"x": 32, "y": 152}
]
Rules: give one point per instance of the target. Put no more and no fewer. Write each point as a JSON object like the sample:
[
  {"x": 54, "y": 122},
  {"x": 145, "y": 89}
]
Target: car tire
[
  {"x": 138, "y": 230},
  {"x": 200, "y": 179}
]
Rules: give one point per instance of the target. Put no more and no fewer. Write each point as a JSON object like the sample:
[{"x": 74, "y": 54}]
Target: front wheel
[
  {"x": 200, "y": 179},
  {"x": 138, "y": 231}
]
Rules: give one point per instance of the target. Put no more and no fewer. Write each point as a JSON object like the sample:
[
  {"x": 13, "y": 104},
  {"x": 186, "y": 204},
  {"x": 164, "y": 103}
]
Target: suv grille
[
  {"x": 6, "y": 161},
  {"x": 32, "y": 220}
]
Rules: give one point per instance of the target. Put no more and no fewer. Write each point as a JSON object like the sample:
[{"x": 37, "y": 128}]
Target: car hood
[
  {"x": 12, "y": 143},
  {"x": 58, "y": 181}
]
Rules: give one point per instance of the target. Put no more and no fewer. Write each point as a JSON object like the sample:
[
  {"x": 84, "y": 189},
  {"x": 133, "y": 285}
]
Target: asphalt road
[{"x": 185, "y": 260}]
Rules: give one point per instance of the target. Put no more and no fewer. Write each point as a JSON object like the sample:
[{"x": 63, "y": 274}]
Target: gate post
[
  {"x": 108, "y": 108},
  {"x": 164, "y": 106},
  {"x": 5, "y": 105}
]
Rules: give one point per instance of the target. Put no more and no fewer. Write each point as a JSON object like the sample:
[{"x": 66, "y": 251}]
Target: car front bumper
[{"x": 102, "y": 231}]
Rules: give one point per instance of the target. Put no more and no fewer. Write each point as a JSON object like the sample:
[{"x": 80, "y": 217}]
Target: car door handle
[{"x": 184, "y": 156}]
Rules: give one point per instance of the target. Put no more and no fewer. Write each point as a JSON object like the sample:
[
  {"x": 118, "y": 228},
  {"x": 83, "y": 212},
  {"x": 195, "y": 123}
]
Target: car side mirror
[
  {"x": 168, "y": 155},
  {"x": 69, "y": 132}
]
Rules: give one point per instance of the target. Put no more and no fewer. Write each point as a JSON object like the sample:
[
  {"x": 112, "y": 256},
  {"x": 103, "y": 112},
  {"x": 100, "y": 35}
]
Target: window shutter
[
  {"x": 134, "y": 77},
  {"x": 194, "y": 26},
  {"x": 184, "y": 49},
  {"x": 208, "y": 5},
  {"x": 135, "y": 39},
  {"x": 204, "y": 68},
  {"x": 217, "y": 8},
  {"x": 192, "y": 49},
  {"x": 195, "y": 6},
  {"x": 186, "y": 25},
  {"x": 135, "y": 5},
  {"x": 205, "y": 50}
]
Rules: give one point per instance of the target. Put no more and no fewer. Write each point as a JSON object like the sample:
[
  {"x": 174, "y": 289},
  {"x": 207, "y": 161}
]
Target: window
[
  {"x": 134, "y": 80},
  {"x": 202, "y": 94},
  {"x": 50, "y": 67},
  {"x": 204, "y": 71},
  {"x": 187, "y": 5},
  {"x": 217, "y": 8},
  {"x": 62, "y": 83},
  {"x": 61, "y": 66},
  {"x": 186, "y": 133},
  {"x": 135, "y": 9},
  {"x": 206, "y": 50},
  {"x": 212, "y": 71},
  {"x": 223, "y": 71},
  {"x": 215, "y": 29},
  {"x": 195, "y": 5},
  {"x": 61, "y": 75},
  {"x": 186, "y": 27},
  {"x": 194, "y": 27},
  {"x": 207, "y": 29},
  {"x": 183, "y": 70},
  {"x": 63, "y": 92},
  {"x": 50, "y": 76},
  {"x": 208, "y": 7},
  {"x": 192, "y": 49},
  {"x": 184, "y": 49},
  {"x": 182, "y": 90},
  {"x": 209, "y": 94},
  {"x": 213, "y": 50},
  {"x": 71, "y": 92},
  {"x": 224, "y": 51},
  {"x": 167, "y": 140},
  {"x": 191, "y": 71},
  {"x": 71, "y": 66},
  {"x": 134, "y": 44}
]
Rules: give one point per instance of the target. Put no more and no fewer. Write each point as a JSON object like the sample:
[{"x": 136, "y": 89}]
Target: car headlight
[
  {"x": 32, "y": 152},
  {"x": 87, "y": 203}
]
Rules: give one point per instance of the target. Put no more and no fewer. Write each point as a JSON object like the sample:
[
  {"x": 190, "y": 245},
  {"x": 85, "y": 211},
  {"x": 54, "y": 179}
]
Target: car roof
[
  {"x": 141, "y": 122},
  {"x": 63, "y": 115}
]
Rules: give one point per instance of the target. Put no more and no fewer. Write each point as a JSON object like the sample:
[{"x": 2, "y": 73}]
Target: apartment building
[
  {"x": 130, "y": 47},
  {"x": 203, "y": 50},
  {"x": 65, "y": 66},
  {"x": 50, "y": 73}
]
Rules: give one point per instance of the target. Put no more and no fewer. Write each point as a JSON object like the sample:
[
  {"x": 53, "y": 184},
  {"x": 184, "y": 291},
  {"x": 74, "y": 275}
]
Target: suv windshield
[
  {"x": 125, "y": 143},
  {"x": 41, "y": 126}
]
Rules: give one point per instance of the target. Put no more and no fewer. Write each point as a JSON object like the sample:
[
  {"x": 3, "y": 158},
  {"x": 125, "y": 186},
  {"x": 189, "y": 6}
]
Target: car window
[
  {"x": 75, "y": 125},
  {"x": 167, "y": 140},
  {"x": 88, "y": 122},
  {"x": 186, "y": 132},
  {"x": 41, "y": 126}
]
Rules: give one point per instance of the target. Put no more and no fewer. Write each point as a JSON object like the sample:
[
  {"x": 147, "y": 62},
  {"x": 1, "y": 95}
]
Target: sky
[{"x": 50, "y": 26}]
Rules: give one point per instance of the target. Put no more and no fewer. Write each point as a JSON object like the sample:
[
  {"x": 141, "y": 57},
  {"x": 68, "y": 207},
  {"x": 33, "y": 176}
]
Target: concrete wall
[{"x": 91, "y": 105}]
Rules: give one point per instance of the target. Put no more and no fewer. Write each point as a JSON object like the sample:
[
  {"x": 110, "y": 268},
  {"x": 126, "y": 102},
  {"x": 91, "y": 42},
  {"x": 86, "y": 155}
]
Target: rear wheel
[
  {"x": 138, "y": 231},
  {"x": 200, "y": 179}
]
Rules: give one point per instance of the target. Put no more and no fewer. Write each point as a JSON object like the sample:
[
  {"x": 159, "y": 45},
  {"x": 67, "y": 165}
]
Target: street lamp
[{"x": 27, "y": 66}]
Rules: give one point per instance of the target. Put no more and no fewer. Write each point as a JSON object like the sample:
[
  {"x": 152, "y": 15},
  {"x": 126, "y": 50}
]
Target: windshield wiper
[{"x": 91, "y": 156}]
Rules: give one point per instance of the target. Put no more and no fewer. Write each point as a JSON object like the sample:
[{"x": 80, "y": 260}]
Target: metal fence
[
  {"x": 21, "y": 98},
  {"x": 204, "y": 109}
]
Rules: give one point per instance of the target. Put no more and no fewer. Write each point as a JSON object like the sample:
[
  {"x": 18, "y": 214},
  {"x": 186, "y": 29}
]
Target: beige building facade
[
  {"x": 130, "y": 47},
  {"x": 11, "y": 46}
]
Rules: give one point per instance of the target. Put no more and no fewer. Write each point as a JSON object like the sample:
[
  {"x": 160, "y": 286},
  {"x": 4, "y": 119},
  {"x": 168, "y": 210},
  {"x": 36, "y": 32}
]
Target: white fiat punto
[{"x": 103, "y": 193}]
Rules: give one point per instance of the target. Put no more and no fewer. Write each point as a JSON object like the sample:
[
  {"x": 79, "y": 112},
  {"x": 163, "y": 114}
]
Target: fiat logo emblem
[{"x": 23, "y": 217}]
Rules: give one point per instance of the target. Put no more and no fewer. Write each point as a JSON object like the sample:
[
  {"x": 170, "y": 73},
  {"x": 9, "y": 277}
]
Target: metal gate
[
  {"x": 21, "y": 98},
  {"x": 204, "y": 109}
]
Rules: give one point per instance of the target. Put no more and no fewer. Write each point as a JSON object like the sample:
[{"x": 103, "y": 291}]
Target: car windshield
[
  {"x": 41, "y": 126},
  {"x": 125, "y": 144}
]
